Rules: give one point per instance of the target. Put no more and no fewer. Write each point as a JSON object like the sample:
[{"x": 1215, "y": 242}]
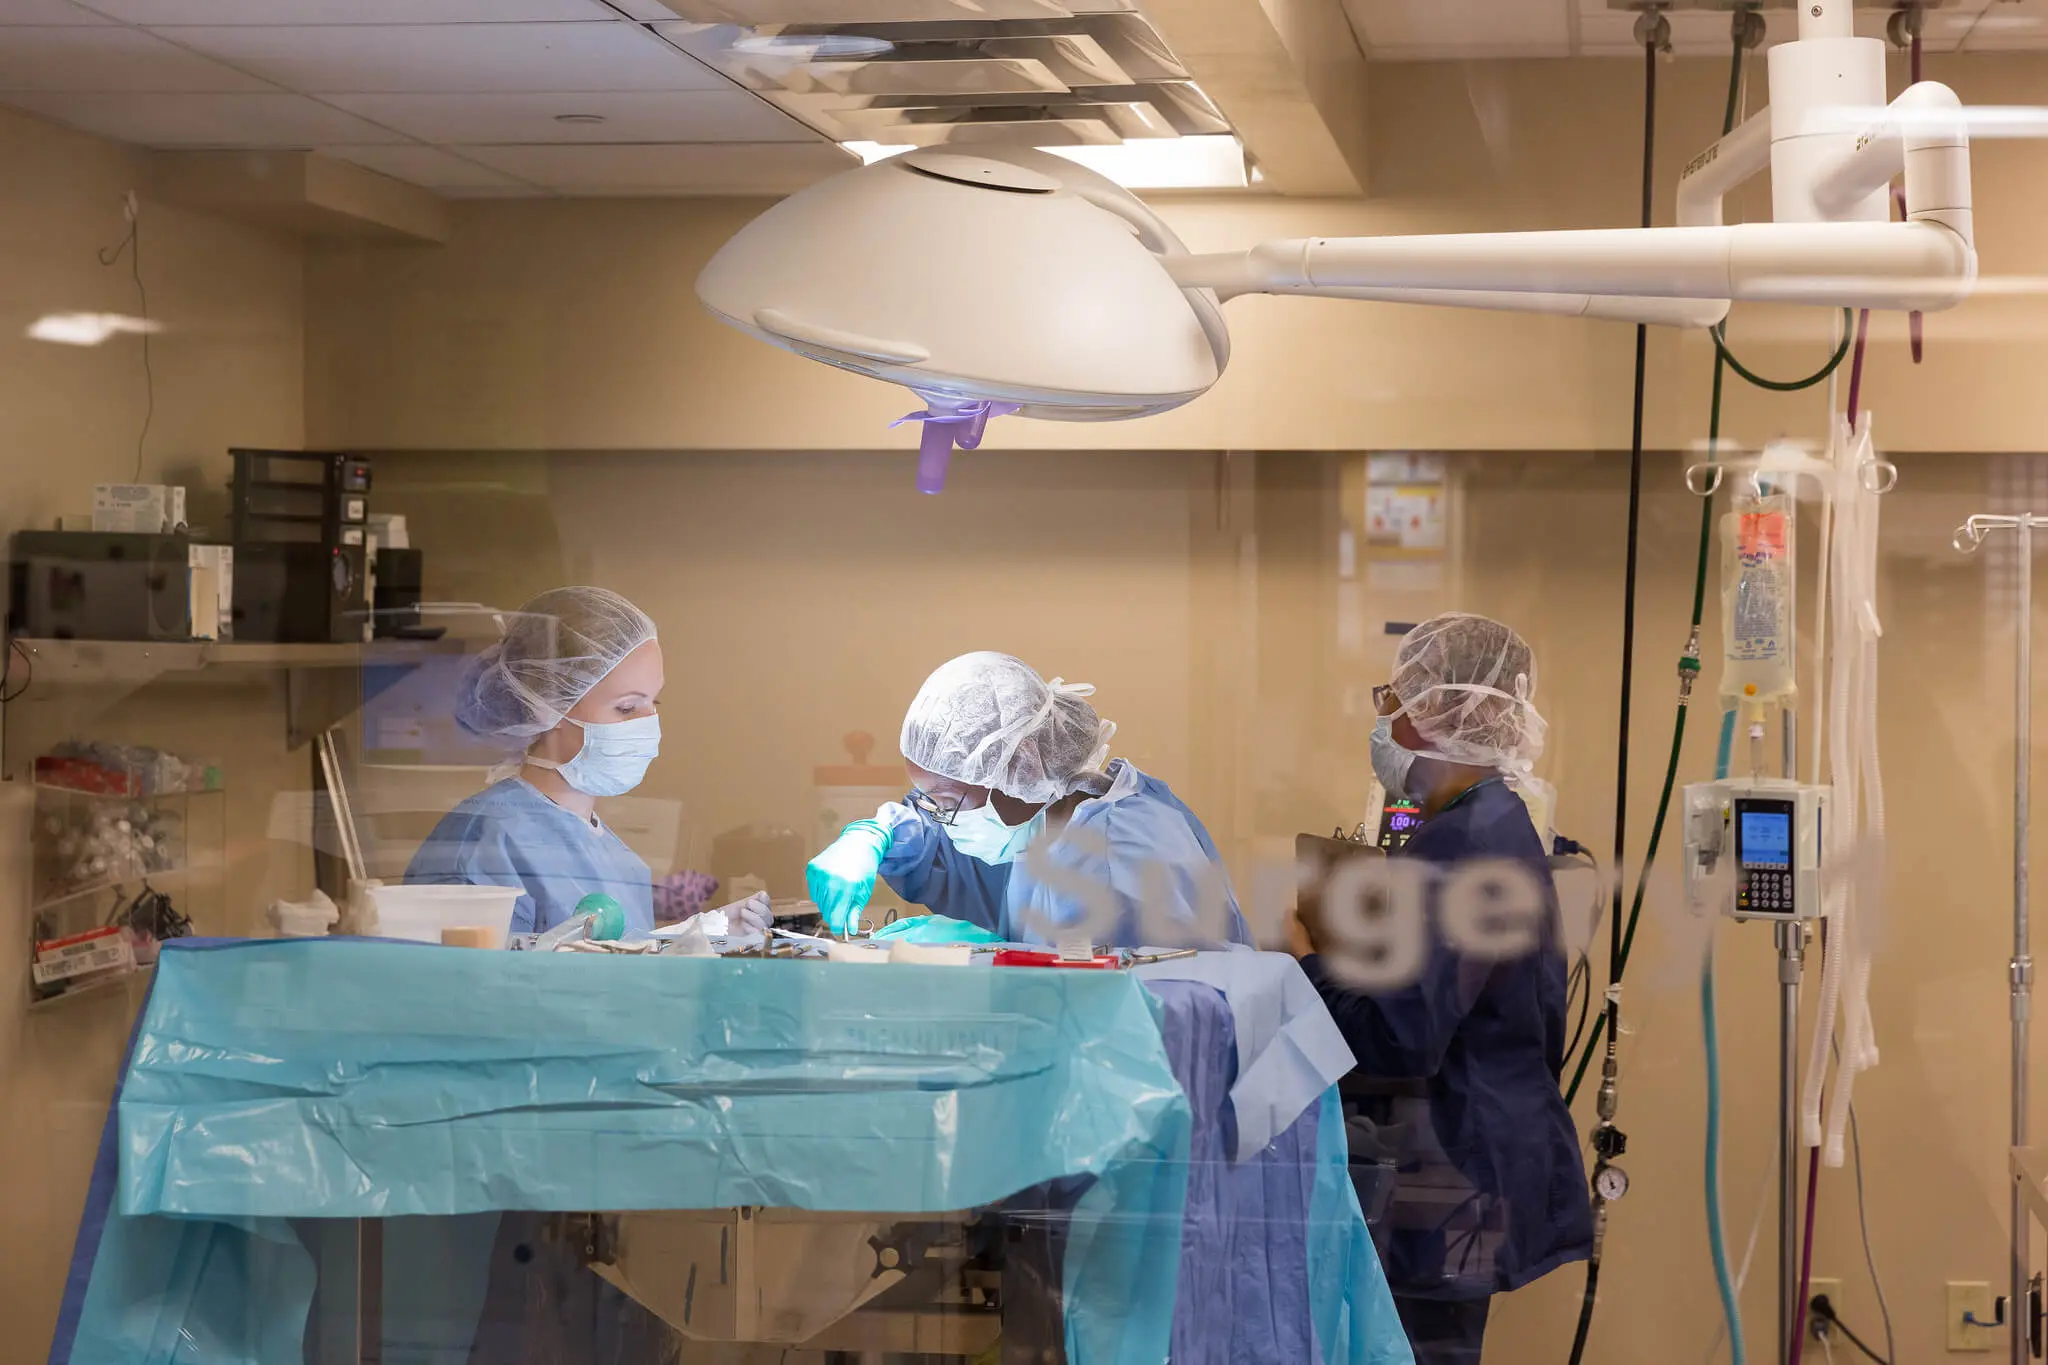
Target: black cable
[
  {"x": 1824, "y": 1311},
  {"x": 1719, "y": 333},
  {"x": 131, "y": 246},
  {"x": 28, "y": 674},
  {"x": 1657, "y": 27},
  {"x": 1891, "y": 1346},
  {"x": 1689, "y": 661},
  {"x": 1584, "y": 976},
  {"x": 1586, "y": 1311}
]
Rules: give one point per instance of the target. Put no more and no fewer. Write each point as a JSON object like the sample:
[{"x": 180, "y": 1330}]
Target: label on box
[
  {"x": 138, "y": 508},
  {"x": 1076, "y": 950},
  {"x": 97, "y": 950}
]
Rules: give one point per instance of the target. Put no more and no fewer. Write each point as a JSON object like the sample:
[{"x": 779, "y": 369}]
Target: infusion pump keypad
[{"x": 1764, "y": 891}]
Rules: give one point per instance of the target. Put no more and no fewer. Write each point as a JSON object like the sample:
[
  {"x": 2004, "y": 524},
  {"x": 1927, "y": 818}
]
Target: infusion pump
[{"x": 1752, "y": 847}]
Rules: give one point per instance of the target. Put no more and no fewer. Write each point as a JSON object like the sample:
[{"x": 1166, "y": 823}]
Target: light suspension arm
[{"x": 1921, "y": 265}]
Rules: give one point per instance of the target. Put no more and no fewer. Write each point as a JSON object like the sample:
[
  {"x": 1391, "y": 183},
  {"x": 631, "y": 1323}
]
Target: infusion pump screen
[
  {"x": 1398, "y": 820},
  {"x": 1765, "y": 838}
]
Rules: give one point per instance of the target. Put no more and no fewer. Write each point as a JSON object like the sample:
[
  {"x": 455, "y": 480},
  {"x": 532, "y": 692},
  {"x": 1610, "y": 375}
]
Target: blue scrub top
[
  {"x": 1457, "y": 1086},
  {"x": 509, "y": 834},
  {"x": 1133, "y": 844}
]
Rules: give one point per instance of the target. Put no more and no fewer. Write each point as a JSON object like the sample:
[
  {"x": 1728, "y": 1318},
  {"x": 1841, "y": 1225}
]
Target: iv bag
[{"x": 1757, "y": 600}]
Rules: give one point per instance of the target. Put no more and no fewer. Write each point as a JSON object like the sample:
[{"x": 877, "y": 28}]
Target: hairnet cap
[
  {"x": 989, "y": 720},
  {"x": 554, "y": 649},
  {"x": 1468, "y": 685}
]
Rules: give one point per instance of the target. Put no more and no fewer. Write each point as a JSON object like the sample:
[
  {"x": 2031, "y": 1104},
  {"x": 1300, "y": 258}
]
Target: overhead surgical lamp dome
[
  {"x": 1011, "y": 280},
  {"x": 1018, "y": 283}
]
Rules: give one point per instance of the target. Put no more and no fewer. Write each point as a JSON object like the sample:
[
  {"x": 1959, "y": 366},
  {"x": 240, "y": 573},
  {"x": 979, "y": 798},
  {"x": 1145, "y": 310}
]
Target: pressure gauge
[{"x": 1610, "y": 1182}]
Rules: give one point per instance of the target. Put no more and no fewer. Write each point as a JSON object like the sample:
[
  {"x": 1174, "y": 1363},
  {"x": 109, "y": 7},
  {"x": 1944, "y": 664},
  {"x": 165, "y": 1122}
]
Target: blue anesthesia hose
[{"x": 1717, "y": 1238}]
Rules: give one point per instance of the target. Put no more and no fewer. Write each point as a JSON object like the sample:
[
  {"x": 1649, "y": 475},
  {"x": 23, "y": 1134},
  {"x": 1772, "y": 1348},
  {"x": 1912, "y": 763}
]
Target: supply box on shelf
[
  {"x": 126, "y": 842},
  {"x": 138, "y": 508}
]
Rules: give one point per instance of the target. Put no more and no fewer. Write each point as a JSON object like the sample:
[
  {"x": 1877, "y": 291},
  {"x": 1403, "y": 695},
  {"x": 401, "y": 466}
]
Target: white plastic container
[
  {"x": 932, "y": 954},
  {"x": 420, "y": 913},
  {"x": 304, "y": 919}
]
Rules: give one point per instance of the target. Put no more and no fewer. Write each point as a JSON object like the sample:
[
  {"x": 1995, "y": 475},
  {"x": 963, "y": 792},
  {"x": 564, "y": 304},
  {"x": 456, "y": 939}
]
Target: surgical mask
[
  {"x": 980, "y": 833},
  {"x": 1390, "y": 762},
  {"x": 614, "y": 756}
]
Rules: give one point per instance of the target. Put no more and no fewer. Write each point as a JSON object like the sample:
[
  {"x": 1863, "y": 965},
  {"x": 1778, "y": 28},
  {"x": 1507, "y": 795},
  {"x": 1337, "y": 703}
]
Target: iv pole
[
  {"x": 1791, "y": 967},
  {"x": 2019, "y": 1302}
]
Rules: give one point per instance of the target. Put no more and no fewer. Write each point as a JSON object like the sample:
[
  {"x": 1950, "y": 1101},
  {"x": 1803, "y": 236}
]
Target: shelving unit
[
  {"x": 324, "y": 683},
  {"x": 68, "y": 689},
  {"x": 90, "y": 860}
]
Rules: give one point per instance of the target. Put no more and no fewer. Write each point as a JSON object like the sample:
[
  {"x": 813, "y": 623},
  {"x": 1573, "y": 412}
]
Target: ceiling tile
[
  {"x": 727, "y": 115},
  {"x": 1999, "y": 27},
  {"x": 429, "y": 167},
  {"x": 201, "y": 120},
  {"x": 441, "y": 58},
  {"x": 713, "y": 168},
  {"x": 166, "y": 13},
  {"x": 113, "y": 59},
  {"x": 1534, "y": 27},
  {"x": 17, "y": 12},
  {"x": 643, "y": 9}
]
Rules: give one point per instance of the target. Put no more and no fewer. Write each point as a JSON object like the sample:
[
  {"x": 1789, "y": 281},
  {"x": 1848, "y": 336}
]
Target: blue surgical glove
[
  {"x": 843, "y": 877},
  {"x": 937, "y": 929}
]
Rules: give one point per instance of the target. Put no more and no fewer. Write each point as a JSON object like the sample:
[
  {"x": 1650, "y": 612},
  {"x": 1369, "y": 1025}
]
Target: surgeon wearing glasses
[
  {"x": 1456, "y": 1090},
  {"x": 1006, "y": 764}
]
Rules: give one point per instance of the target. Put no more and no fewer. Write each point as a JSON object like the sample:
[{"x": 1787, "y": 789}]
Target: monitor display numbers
[
  {"x": 1765, "y": 837},
  {"x": 1398, "y": 820}
]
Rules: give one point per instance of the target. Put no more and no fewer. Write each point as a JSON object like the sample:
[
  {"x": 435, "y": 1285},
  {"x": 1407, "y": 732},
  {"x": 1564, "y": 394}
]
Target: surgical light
[{"x": 1010, "y": 279}]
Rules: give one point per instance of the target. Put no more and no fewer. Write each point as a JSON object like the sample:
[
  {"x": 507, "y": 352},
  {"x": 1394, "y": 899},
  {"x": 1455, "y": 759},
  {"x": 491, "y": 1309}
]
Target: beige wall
[
  {"x": 228, "y": 371},
  {"x": 575, "y": 326},
  {"x": 803, "y": 595}
]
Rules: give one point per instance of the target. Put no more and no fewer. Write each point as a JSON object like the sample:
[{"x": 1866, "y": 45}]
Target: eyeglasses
[
  {"x": 942, "y": 809},
  {"x": 1380, "y": 695}
]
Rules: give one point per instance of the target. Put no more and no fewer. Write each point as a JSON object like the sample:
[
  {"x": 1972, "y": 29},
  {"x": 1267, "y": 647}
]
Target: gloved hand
[
  {"x": 937, "y": 929},
  {"x": 843, "y": 877},
  {"x": 749, "y": 916}
]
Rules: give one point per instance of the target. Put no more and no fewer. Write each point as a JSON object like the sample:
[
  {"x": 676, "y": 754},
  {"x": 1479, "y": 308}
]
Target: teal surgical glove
[
  {"x": 843, "y": 877},
  {"x": 937, "y": 929}
]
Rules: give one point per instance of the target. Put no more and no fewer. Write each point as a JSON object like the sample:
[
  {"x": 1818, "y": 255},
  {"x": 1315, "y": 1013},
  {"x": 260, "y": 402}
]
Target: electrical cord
[
  {"x": 131, "y": 246},
  {"x": 1689, "y": 662},
  {"x": 1891, "y": 1349},
  {"x": 28, "y": 672},
  {"x": 1581, "y": 985},
  {"x": 1721, "y": 352},
  {"x": 1654, "y": 30},
  {"x": 1824, "y": 1311}
]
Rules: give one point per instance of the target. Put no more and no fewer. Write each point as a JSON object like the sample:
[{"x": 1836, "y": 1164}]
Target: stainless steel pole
[
  {"x": 1791, "y": 962},
  {"x": 1791, "y": 966},
  {"x": 2022, "y": 968}
]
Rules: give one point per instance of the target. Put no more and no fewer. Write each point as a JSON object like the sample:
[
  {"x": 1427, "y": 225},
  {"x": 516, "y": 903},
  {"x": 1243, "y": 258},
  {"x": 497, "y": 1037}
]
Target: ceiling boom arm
[{"x": 1680, "y": 276}]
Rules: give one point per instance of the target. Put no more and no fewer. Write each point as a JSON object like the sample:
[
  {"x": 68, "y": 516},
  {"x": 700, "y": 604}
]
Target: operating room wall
[
  {"x": 1543, "y": 546},
  {"x": 803, "y": 597},
  {"x": 574, "y": 325},
  {"x": 228, "y": 369},
  {"x": 1235, "y": 637}
]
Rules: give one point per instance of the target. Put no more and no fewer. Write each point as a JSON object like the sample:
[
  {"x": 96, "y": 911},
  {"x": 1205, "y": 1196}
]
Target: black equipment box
[{"x": 107, "y": 585}]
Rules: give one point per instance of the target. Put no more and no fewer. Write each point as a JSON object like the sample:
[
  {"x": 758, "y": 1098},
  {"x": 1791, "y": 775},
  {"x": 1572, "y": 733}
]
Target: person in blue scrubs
[
  {"x": 574, "y": 683},
  {"x": 1019, "y": 824},
  {"x": 1456, "y": 1089}
]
